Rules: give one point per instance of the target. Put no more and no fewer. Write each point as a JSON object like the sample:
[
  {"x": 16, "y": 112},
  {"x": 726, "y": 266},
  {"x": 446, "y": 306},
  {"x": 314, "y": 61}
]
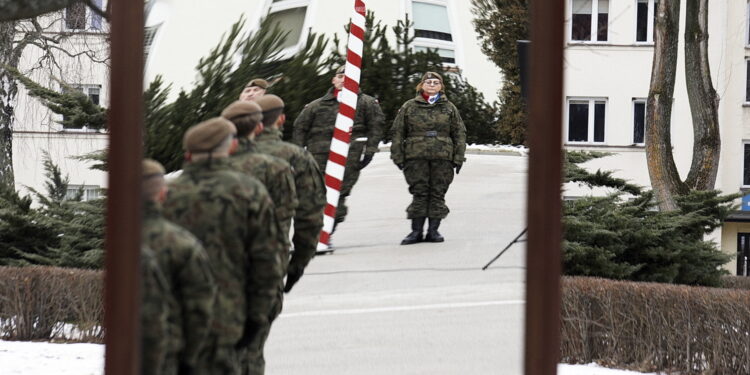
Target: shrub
[
  {"x": 655, "y": 327},
  {"x": 43, "y": 303}
]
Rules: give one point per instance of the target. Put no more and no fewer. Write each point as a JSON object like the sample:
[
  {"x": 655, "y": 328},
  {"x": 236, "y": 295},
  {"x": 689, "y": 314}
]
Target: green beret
[
  {"x": 432, "y": 75},
  {"x": 241, "y": 108},
  {"x": 208, "y": 135},
  {"x": 151, "y": 168},
  {"x": 269, "y": 102},
  {"x": 259, "y": 82}
]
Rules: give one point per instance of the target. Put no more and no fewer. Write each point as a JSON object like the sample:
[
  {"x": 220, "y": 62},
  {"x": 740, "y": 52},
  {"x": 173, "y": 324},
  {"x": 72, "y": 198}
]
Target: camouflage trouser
[
  {"x": 253, "y": 362},
  {"x": 351, "y": 175},
  {"x": 218, "y": 359},
  {"x": 428, "y": 182},
  {"x": 171, "y": 363}
]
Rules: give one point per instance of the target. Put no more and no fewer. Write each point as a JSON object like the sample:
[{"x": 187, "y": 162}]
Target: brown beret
[
  {"x": 269, "y": 102},
  {"x": 240, "y": 108},
  {"x": 432, "y": 75},
  {"x": 260, "y": 82},
  {"x": 207, "y": 135},
  {"x": 151, "y": 168},
  {"x": 340, "y": 70}
]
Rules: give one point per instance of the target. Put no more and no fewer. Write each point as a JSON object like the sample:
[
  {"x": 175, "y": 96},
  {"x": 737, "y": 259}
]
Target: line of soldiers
[{"x": 215, "y": 240}]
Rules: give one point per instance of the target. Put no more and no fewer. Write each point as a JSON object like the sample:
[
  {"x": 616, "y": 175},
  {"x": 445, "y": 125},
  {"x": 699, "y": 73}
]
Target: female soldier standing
[{"x": 429, "y": 140}]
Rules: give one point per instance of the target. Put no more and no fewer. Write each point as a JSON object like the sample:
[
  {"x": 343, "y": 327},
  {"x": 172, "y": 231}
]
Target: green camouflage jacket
[
  {"x": 233, "y": 216},
  {"x": 185, "y": 265},
  {"x": 154, "y": 314},
  {"x": 311, "y": 193},
  {"x": 314, "y": 126},
  {"x": 276, "y": 175},
  {"x": 428, "y": 131}
]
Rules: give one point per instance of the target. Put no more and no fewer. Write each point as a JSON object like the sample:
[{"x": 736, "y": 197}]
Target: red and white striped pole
[{"x": 344, "y": 121}]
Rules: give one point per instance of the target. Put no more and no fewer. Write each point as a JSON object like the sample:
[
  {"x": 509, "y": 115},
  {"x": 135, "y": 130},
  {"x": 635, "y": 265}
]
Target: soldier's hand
[
  {"x": 291, "y": 278},
  {"x": 365, "y": 161},
  {"x": 400, "y": 166},
  {"x": 457, "y": 167}
]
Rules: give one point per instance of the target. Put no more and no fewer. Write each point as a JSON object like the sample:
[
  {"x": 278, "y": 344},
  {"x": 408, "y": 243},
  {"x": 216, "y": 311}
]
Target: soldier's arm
[
  {"x": 198, "y": 290},
  {"x": 397, "y": 137},
  {"x": 302, "y": 126},
  {"x": 458, "y": 133},
  {"x": 308, "y": 219},
  {"x": 375, "y": 119},
  {"x": 265, "y": 265},
  {"x": 154, "y": 312},
  {"x": 284, "y": 196}
]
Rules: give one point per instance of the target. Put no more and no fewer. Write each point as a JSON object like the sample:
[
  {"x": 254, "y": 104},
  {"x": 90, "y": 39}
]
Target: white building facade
[
  {"x": 608, "y": 58},
  {"x": 81, "y": 63},
  {"x": 180, "y": 32}
]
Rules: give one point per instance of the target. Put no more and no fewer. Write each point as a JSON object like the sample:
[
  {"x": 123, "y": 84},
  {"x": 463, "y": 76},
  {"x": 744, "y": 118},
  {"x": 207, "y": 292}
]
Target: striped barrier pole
[{"x": 334, "y": 173}]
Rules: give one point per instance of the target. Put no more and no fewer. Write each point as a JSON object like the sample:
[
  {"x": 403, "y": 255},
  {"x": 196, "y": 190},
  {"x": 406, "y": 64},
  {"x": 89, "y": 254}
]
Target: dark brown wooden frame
[{"x": 544, "y": 178}]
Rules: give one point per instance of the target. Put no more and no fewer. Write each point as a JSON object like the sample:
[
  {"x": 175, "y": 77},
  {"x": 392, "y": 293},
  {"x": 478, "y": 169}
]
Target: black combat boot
[
  {"x": 416, "y": 231},
  {"x": 432, "y": 231}
]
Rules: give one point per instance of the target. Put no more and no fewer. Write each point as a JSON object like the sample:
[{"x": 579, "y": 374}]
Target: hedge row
[
  {"x": 656, "y": 327},
  {"x": 50, "y": 303}
]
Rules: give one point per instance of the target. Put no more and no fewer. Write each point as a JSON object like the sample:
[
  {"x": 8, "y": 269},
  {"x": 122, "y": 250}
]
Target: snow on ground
[{"x": 42, "y": 358}]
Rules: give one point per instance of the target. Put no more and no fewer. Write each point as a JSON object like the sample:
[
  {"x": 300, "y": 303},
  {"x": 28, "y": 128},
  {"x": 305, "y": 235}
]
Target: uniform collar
[
  {"x": 151, "y": 209},
  {"x": 207, "y": 164},
  {"x": 421, "y": 98},
  {"x": 270, "y": 132},
  {"x": 244, "y": 145}
]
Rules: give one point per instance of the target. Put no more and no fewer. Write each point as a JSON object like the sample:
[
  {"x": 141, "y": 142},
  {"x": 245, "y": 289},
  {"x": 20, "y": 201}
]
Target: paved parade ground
[{"x": 374, "y": 307}]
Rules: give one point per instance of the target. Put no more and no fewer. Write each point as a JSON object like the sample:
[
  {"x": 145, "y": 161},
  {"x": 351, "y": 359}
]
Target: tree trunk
[
  {"x": 8, "y": 91},
  {"x": 704, "y": 102},
  {"x": 665, "y": 180}
]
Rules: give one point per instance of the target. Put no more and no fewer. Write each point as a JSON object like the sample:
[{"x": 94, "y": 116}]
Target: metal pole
[
  {"x": 745, "y": 268},
  {"x": 542, "y": 345},
  {"x": 122, "y": 298}
]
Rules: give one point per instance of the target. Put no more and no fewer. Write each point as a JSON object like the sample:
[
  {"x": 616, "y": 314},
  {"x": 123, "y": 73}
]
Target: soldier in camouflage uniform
[
  {"x": 185, "y": 265},
  {"x": 276, "y": 175},
  {"x": 233, "y": 216},
  {"x": 313, "y": 129},
  {"x": 154, "y": 314},
  {"x": 308, "y": 181},
  {"x": 429, "y": 141}
]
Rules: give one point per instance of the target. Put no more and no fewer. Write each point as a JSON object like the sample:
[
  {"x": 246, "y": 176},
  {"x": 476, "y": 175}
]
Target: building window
[
  {"x": 432, "y": 29},
  {"x": 746, "y": 165},
  {"x": 586, "y": 28},
  {"x": 149, "y": 34},
  {"x": 639, "y": 121},
  {"x": 747, "y": 81},
  {"x": 645, "y": 20},
  {"x": 87, "y": 192},
  {"x": 586, "y": 120},
  {"x": 79, "y": 17},
  {"x": 290, "y": 15}
]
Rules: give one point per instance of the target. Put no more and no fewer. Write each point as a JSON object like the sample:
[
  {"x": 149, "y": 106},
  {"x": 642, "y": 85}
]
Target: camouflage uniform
[
  {"x": 186, "y": 267},
  {"x": 276, "y": 175},
  {"x": 313, "y": 129},
  {"x": 310, "y": 187},
  {"x": 428, "y": 141},
  {"x": 154, "y": 314},
  {"x": 233, "y": 215}
]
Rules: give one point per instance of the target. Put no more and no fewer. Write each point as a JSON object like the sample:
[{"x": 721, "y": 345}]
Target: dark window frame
[
  {"x": 582, "y": 26},
  {"x": 595, "y": 126},
  {"x": 75, "y": 16},
  {"x": 639, "y": 135}
]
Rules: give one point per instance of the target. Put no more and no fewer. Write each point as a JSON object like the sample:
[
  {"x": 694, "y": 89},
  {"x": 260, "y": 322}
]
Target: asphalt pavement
[{"x": 375, "y": 307}]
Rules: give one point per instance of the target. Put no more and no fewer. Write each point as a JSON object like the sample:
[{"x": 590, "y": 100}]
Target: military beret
[
  {"x": 269, "y": 102},
  {"x": 260, "y": 82},
  {"x": 151, "y": 168},
  {"x": 240, "y": 108},
  {"x": 340, "y": 70},
  {"x": 432, "y": 75},
  {"x": 207, "y": 135}
]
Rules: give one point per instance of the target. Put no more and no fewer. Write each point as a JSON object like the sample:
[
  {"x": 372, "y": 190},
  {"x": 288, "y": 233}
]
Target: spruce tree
[{"x": 500, "y": 23}]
